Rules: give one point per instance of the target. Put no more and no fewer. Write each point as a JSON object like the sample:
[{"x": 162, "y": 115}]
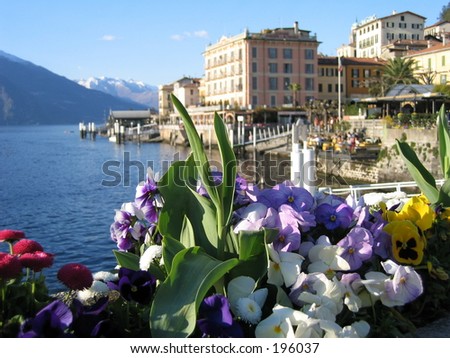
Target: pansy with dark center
[
  {"x": 137, "y": 286},
  {"x": 333, "y": 217}
]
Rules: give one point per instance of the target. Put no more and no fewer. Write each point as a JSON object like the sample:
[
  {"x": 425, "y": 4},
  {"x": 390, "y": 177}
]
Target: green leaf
[
  {"x": 187, "y": 237},
  {"x": 127, "y": 260},
  {"x": 253, "y": 255},
  {"x": 444, "y": 194},
  {"x": 227, "y": 187},
  {"x": 180, "y": 201},
  {"x": 198, "y": 151},
  {"x": 177, "y": 299},
  {"x": 171, "y": 248},
  {"x": 419, "y": 173},
  {"x": 444, "y": 142}
]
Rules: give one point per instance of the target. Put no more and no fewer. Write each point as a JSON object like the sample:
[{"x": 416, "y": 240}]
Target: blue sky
[{"x": 158, "y": 42}]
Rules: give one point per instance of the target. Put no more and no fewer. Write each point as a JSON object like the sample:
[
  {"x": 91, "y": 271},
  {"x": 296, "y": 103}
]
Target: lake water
[{"x": 62, "y": 191}]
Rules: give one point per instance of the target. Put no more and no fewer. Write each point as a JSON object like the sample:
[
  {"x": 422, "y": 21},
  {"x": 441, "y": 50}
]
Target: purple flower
[
  {"x": 126, "y": 228},
  {"x": 305, "y": 283},
  {"x": 304, "y": 219},
  {"x": 137, "y": 286},
  {"x": 333, "y": 217},
  {"x": 215, "y": 319},
  {"x": 50, "y": 322},
  {"x": 286, "y": 193},
  {"x": 288, "y": 235},
  {"x": 145, "y": 193},
  {"x": 252, "y": 217},
  {"x": 358, "y": 247},
  {"x": 405, "y": 286},
  {"x": 91, "y": 321}
]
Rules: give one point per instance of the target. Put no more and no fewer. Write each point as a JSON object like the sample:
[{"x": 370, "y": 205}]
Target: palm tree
[
  {"x": 399, "y": 71},
  {"x": 295, "y": 87}
]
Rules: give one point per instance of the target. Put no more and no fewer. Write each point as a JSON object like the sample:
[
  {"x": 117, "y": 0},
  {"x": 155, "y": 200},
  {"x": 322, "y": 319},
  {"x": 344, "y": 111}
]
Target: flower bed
[{"x": 203, "y": 253}]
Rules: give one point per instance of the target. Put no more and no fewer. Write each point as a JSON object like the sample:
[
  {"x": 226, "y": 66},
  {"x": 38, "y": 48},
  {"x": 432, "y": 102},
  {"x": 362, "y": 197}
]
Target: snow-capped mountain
[{"x": 136, "y": 91}]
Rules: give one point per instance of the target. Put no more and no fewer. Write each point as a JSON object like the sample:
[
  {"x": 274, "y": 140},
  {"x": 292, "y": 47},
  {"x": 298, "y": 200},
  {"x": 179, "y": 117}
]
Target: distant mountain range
[
  {"x": 31, "y": 94},
  {"x": 132, "y": 90}
]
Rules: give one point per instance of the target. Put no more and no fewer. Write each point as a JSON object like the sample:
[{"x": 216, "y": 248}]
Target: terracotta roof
[
  {"x": 434, "y": 48},
  {"x": 438, "y": 24}
]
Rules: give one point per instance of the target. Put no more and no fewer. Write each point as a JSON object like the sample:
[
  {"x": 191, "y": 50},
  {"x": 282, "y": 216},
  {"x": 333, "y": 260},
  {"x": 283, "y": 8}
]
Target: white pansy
[
  {"x": 243, "y": 287},
  {"x": 358, "y": 329},
  {"x": 327, "y": 259},
  {"x": 284, "y": 267},
  {"x": 150, "y": 254},
  {"x": 275, "y": 326}
]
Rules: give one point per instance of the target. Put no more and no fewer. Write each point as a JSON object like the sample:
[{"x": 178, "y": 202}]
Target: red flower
[
  {"x": 10, "y": 266},
  {"x": 11, "y": 235},
  {"x": 37, "y": 260},
  {"x": 75, "y": 276},
  {"x": 26, "y": 245}
]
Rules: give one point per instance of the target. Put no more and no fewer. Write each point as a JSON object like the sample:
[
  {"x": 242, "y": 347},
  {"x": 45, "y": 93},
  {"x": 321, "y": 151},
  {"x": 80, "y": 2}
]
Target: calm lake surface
[{"x": 62, "y": 191}]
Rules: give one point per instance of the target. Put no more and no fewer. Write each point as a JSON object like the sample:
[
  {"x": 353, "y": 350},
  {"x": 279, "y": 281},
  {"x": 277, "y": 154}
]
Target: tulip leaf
[
  {"x": 423, "y": 178},
  {"x": 229, "y": 171},
  {"x": 127, "y": 260},
  {"x": 177, "y": 299},
  {"x": 171, "y": 247},
  {"x": 444, "y": 142},
  {"x": 180, "y": 201},
  {"x": 444, "y": 194},
  {"x": 201, "y": 160},
  {"x": 253, "y": 256}
]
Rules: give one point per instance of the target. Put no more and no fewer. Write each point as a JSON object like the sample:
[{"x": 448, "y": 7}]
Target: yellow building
[{"x": 433, "y": 63}]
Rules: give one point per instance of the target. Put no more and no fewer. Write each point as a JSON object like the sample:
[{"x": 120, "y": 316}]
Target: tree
[
  {"x": 295, "y": 87},
  {"x": 445, "y": 13},
  {"x": 399, "y": 71}
]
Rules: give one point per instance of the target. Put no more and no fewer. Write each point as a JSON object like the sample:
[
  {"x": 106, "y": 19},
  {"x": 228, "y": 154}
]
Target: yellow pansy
[
  {"x": 407, "y": 243},
  {"x": 417, "y": 209}
]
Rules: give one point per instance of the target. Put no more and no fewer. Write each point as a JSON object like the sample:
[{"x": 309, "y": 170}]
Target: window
[
  {"x": 443, "y": 79},
  {"x": 287, "y": 100},
  {"x": 366, "y": 73},
  {"x": 355, "y": 83},
  {"x": 273, "y": 101},
  {"x": 402, "y": 18},
  {"x": 254, "y": 101},
  {"x": 309, "y": 84},
  {"x": 355, "y": 73},
  {"x": 443, "y": 61},
  {"x": 287, "y": 53},
  {"x": 287, "y": 68},
  {"x": 309, "y": 68},
  {"x": 429, "y": 63},
  {"x": 330, "y": 88},
  {"x": 254, "y": 67},
  {"x": 320, "y": 88},
  {"x": 272, "y": 52},
  {"x": 254, "y": 52},
  {"x": 273, "y": 67},
  {"x": 254, "y": 83},
  {"x": 273, "y": 83},
  {"x": 309, "y": 54},
  {"x": 287, "y": 83}
]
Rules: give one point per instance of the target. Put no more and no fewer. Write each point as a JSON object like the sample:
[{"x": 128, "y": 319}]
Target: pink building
[{"x": 273, "y": 68}]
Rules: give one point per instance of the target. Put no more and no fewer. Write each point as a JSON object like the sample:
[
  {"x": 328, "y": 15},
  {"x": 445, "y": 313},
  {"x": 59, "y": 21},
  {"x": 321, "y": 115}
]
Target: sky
[{"x": 159, "y": 42}]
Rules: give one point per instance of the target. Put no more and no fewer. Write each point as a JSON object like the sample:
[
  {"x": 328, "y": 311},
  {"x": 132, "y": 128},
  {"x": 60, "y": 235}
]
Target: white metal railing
[{"x": 356, "y": 190}]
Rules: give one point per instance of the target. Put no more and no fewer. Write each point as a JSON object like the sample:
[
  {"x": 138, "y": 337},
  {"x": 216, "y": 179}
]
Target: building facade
[
  {"x": 433, "y": 63},
  {"x": 354, "y": 75},
  {"x": 273, "y": 68},
  {"x": 372, "y": 34}
]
